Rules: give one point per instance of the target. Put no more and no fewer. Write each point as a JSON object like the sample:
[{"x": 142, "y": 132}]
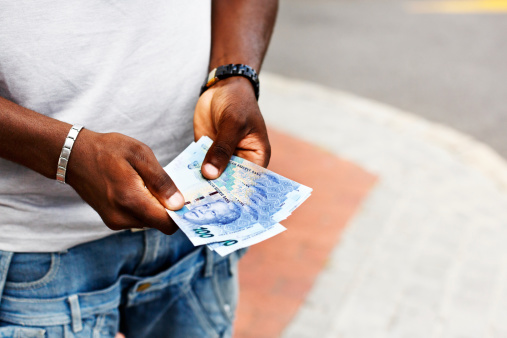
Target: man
[{"x": 130, "y": 73}]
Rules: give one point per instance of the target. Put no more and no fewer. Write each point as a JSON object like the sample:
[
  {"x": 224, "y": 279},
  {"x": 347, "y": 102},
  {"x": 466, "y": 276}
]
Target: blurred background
[
  {"x": 394, "y": 113},
  {"x": 442, "y": 60}
]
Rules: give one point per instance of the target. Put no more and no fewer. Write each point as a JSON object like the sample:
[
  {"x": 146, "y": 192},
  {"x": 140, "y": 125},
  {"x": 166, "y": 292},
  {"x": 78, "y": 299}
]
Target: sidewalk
[{"x": 404, "y": 236}]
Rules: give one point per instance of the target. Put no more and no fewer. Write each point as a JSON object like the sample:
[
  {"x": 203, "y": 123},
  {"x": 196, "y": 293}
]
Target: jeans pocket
[
  {"x": 32, "y": 270},
  {"x": 98, "y": 325},
  {"x": 218, "y": 294},
  {"x": 21, "y": 332}
]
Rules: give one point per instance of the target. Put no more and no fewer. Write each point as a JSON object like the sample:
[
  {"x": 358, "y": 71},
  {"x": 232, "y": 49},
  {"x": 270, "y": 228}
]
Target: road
[{"x": 448, "y": 67}]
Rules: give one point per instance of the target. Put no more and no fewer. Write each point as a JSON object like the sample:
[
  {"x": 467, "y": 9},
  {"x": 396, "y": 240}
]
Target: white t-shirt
[{"x": 133, "y": 67}]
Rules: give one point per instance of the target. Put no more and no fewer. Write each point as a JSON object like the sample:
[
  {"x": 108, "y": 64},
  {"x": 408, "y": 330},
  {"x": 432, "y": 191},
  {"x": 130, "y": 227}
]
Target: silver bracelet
[{"x": 65, "y": 154}]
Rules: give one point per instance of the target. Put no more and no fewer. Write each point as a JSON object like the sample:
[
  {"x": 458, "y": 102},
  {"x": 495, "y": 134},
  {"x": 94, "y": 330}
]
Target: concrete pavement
[
  {"x": 443, "y": 60},
  {"x": 425, "y": 253}
]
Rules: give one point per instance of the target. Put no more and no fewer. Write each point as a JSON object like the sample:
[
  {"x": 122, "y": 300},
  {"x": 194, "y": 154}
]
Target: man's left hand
[{"x": 229, "y": 114}]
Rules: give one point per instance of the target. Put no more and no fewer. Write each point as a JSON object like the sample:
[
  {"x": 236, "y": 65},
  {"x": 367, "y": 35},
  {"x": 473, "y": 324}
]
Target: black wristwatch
[{"x": 226, "y": 71}]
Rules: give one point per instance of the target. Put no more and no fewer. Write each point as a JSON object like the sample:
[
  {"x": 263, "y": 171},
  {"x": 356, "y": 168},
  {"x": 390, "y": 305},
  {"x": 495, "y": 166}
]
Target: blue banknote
[{"x": 240, "y": 208}]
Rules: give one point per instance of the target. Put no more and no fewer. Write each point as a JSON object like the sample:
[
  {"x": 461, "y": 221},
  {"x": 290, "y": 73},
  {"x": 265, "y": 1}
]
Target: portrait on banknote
[
  {"x": 218, "y": 212},
  {"x": 241, "y": 207}
]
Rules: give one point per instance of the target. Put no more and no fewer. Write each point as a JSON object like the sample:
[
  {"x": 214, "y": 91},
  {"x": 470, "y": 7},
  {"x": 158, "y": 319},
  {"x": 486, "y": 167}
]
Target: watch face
[
  {"x": 211, "y": 82},
  {"x": 212, "y": 77}
]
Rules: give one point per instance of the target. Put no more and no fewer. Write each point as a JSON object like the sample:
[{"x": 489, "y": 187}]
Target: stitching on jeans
[
  {"x": 22, "y": 332},
  {"x": 199, "y": 311},
  {"x": 215, "y": 281},
  {"x": 44, "y": 280},
  {"x": 98, "y": 326},
  {"x": 5, "y": 261},
  {"x": 215, "y": 285},
  {"x": 147, "y": 253}
]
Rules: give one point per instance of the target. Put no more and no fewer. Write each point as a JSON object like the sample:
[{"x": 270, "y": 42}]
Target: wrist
[
  {"x": 83, "y": 148},
  {"x": 217, "y": 62},
  {"x": 227, "y": 71},
  {"x": 236, "y": 83}
]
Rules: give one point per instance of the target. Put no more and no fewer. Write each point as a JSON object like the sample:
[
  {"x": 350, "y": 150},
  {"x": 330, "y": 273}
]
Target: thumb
[
  {"x": 220, "y": 153},
  {"x": 158, "y": 181}
]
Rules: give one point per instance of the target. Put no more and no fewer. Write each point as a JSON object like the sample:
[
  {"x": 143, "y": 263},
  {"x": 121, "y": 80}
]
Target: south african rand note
[
  {"x": 226, "y": 247},
  {"x": 209, "y": 215},
  {"x": 245, "y": 202},
  {"x": 258, "y": 187}
]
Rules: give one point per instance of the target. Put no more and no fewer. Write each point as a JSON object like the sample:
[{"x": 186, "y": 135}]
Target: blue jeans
[{"x": 143, "y": 284}]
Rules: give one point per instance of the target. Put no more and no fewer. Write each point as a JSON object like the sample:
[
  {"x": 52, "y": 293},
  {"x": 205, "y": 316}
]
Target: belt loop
[
  {"x": 232, "y": 264},
  {"x": 5, "y": 262},
  {"x": 75, "y": 310},
  {"x": 151, "y": 248},
  {"x": 208, "y": 269}
]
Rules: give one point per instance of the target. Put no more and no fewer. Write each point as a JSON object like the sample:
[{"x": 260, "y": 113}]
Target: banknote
[
  {"x": 209, "y": 214},
  {"x": 240, "y": 208},
  {"x": 226, "y": 247},
  {"x": 271, "y": 196}
]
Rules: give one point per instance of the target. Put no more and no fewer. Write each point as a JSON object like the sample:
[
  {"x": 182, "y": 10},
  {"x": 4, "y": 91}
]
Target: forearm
[
  {"x": 241, "y": 30},
  {"x": 109, "y": 171},
  {"x": 228, "y": 112},
  {"x": 31, "y": 139}
]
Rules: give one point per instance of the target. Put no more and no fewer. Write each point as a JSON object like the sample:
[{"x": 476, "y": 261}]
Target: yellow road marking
[{"x": 463, "y": 6}]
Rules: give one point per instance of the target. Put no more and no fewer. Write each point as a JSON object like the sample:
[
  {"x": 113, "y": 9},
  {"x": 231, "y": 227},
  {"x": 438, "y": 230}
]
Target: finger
[
  {"x": 155, "y": 217},
  {"x": 144, "y": 208},
  {"x": 157, "y": 180},
  {"x": 255, "y": 148},
  {"x": 222, "y": 149}
]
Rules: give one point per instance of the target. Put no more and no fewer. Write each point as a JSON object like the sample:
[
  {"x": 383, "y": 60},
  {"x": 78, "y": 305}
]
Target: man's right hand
[{"x": 122, "y": 180}]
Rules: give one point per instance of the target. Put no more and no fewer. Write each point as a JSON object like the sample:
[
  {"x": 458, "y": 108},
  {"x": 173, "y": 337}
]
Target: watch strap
[{"x": 230, "y": 70}]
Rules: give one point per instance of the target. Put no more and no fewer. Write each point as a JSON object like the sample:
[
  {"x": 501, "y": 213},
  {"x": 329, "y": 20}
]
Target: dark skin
[
  {"x": 110, "y": 171},
  {"x": 228, "y": 112}
]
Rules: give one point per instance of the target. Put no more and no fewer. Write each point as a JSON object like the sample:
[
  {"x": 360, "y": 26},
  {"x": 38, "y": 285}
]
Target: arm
[
  {"x": 241, "y": 31},
  {"x": 109, "y": 171},
  {"x": 228, "y": 112}
]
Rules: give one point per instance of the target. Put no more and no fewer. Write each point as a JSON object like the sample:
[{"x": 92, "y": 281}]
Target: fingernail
[
  {"x": 211, "y": 170},
  {"x": 176, "y": 201}
]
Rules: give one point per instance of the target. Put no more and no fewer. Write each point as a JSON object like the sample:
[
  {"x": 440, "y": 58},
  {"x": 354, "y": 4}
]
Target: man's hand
[
  {"x": 229, "y": 114},
  {"x": 122, "y": 180},
  {"x": 228, "y": 111},
  {"x": 118, "y": 176}
]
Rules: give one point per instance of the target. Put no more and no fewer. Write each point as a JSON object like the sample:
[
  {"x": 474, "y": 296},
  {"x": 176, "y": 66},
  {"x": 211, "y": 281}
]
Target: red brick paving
[{"x": 276, "y": 275}]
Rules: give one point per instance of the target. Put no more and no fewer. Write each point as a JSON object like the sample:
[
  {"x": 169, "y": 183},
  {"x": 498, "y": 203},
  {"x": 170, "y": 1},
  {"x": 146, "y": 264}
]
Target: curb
[{"x": 464, "y": 147}]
